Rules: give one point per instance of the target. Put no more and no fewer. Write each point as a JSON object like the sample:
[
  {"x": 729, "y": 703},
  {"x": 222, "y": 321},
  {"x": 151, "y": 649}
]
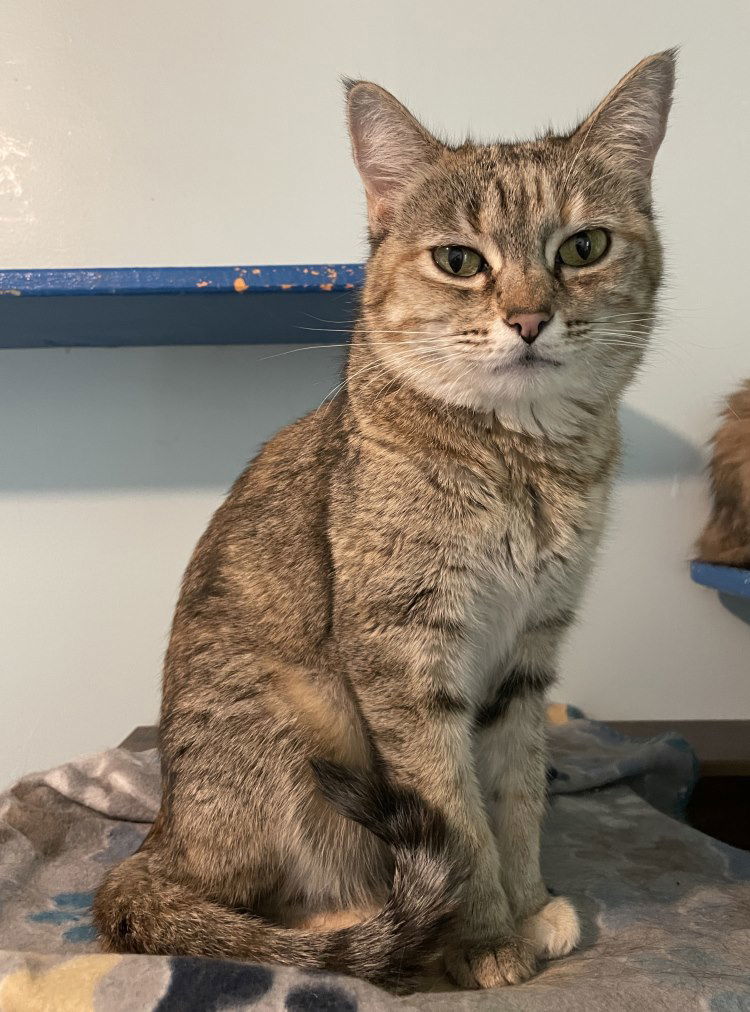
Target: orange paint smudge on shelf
[
  {"x": 326, "y": 288},
  {"x": 240, "y": 285},
  {"x": 202, "y": 284},
  {"x": 256, "y": 270},
  {"x": 348, "y": 285},
  {"x": 286, "y": 287},
  {"x": 315, "y": 273}
]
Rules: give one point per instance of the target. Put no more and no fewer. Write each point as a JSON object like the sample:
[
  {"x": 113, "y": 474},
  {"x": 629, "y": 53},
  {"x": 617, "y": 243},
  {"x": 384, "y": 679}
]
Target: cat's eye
[
  {"x": 584, "y": 248},
  {"x": 460, "y": 261}
]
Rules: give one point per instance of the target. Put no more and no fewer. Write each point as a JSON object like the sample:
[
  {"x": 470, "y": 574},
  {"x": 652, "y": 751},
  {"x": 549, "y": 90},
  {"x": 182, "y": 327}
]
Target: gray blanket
[{"x": 666, "y": 910}]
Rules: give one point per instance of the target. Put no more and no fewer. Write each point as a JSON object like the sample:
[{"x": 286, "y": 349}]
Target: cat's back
[
  {"x": 739, "y": 403},
  {"x": 731, "y": 456},
  {"x": 259, "y": 576}
]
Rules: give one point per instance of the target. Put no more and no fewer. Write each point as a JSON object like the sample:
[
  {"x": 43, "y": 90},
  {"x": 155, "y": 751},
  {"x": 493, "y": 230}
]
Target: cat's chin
[
  {"x": 526, "y": 366},
  {"x": 538, "y": 402},
  {"x": 502, "y": 386},
  {"x": 524, "y": 372}
]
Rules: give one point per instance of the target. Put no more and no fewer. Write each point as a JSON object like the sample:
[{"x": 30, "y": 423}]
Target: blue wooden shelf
[
  {"x": 725, "y": 579},
  {"x": 143, "y": 306}
]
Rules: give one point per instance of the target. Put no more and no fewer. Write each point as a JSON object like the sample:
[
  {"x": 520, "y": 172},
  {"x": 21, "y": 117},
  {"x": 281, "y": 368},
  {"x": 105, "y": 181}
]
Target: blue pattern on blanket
[
  {"x": 208, "y": 985},
  {"x": 75, "y": 907}
]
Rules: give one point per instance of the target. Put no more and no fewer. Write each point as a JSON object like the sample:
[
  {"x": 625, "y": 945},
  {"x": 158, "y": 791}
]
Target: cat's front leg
[
  {"x": 423, "y": 734},
  {"x": 510, "y": 743},
  {"x": 486, "y": 950}
]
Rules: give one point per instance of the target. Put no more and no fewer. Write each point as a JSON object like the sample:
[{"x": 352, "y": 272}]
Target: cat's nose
[{"x": 528, "y": 326}]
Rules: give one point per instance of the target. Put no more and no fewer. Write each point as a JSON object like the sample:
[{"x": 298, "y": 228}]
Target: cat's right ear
[{"x": 390, "y": 147}]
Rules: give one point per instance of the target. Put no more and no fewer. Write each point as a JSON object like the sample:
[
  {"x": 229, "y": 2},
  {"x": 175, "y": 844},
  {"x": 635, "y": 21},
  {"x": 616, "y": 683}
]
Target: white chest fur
[
  {"x": 515, "y": 584},
  {"x": 496, "y": 613}
]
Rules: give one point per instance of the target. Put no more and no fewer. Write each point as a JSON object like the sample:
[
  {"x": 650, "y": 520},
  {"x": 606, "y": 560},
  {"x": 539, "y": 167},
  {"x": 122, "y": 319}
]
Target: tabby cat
[{"x": 352, "y": 730}]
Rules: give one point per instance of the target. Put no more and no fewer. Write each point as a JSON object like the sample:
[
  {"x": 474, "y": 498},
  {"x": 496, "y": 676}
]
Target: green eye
[
  {"x": 584, "y": 248},
  {"x": 460, "y": 261}
]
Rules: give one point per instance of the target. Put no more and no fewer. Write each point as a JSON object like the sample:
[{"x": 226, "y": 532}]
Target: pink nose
[{"x": 529, "y": 326}]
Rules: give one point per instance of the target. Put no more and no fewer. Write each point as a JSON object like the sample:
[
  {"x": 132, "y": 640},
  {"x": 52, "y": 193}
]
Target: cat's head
[{"x": 509, "y": 275}]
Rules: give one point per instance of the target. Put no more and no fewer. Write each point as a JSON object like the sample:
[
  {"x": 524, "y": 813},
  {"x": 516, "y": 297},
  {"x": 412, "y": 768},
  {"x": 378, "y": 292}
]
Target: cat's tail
[{"x": 138, "y": 909}]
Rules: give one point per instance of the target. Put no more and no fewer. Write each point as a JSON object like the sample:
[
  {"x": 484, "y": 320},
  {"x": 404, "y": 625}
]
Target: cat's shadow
[
  {"x": 177, "y": 418},
  {"x": 651, "y": 450}
]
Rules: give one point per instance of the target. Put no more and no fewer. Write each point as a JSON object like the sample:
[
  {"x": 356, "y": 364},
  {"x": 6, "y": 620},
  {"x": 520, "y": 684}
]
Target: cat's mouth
[{"x": 528, "y": 361}]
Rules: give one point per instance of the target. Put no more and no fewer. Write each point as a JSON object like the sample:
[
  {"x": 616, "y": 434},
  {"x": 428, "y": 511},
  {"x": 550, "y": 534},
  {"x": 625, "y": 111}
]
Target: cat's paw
[
  {"x": 508, "y": 961},
  {"x": 554, "y": 931}
]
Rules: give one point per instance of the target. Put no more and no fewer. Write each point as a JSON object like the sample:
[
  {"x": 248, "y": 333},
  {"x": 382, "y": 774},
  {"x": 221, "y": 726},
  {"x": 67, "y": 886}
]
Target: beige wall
[{"x": 170, "y": 133}]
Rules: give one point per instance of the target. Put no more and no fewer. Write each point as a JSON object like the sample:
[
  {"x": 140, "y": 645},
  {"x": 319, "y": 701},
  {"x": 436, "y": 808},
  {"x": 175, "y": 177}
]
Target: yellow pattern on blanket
[{"x": 65, "y": 987}]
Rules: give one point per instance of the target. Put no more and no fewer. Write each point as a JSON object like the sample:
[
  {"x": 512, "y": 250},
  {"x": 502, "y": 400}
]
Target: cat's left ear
[
  {"x": 390, "y": 147},
  {"x": 629, "y": 125}
]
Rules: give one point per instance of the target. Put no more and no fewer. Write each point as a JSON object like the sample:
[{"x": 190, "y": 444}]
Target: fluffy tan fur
[
  {"x": 726, "y": 538},
  {"x": 387, "y": 585}
]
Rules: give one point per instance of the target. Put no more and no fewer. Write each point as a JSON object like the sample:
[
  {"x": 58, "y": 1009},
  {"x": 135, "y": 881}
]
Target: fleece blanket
[{"x": 665, "y": 909}]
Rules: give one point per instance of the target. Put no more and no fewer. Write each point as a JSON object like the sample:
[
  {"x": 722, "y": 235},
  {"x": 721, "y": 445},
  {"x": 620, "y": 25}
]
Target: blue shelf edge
[
  {"x": 726, "y": 579},
  {"x": 181, "y": 280},
  {"x": 153, "y": 306}
]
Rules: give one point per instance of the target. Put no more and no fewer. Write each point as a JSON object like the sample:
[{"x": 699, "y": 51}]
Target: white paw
[{"x": 554, "y": 931}]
